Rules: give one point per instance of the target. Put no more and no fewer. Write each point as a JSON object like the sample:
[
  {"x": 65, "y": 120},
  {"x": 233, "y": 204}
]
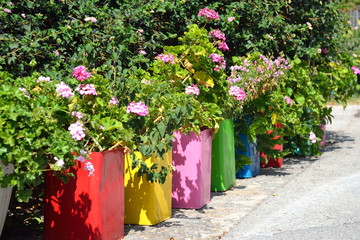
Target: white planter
[{"x": 5, "y": 195}]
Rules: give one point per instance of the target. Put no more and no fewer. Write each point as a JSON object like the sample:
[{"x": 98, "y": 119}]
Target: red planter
[
  {"x": 276, "y": 163},
  {"x": 87, "y": 207}
]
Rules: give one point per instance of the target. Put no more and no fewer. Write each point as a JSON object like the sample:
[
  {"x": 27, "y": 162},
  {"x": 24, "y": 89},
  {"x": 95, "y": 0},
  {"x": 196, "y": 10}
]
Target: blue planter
[{"x": 252, "y": 169}]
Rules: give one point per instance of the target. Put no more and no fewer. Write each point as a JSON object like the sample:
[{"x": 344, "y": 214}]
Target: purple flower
[
  {"x": 81, "y": 158},
  {"x": 7, "y": 10},
  {"x": 90, "y": 167}
]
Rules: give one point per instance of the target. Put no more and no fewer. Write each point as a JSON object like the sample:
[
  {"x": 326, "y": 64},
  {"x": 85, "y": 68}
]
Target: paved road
[
  {"x": 323, "y": 202},
  {"x": 309, "y": 198}
]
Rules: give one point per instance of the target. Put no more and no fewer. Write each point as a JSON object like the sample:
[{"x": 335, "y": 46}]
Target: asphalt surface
[{"x": 308, "y": 198}]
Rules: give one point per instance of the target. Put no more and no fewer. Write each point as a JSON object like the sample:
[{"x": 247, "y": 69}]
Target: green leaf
[
  {"x": 110, "y": 124},
  {"x": 300, "y": 99},
  {"x": 23, "y": 195},
  {"x": 100, "y": 101},
  {"x": 162, "y": 128},
  {"x": 88, "y": 48},
  {"x": 8, "y": 139}
]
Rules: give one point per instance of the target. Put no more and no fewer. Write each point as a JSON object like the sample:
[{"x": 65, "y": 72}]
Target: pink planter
[
  {"x": 191, "y": 180},
  {"x": 323, "y": 127}
]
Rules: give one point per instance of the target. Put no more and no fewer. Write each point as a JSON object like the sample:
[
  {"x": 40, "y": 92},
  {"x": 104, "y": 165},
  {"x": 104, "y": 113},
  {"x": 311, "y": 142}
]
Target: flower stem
[{"x": 96, "y": 142}]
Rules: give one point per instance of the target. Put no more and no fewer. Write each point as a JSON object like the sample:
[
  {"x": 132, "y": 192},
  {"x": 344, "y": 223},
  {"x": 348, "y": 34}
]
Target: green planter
[{"x": 223, "y": 158}]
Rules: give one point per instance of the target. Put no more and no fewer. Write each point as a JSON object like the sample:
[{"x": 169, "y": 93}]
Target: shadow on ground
[{"x": 334, "y": 139}]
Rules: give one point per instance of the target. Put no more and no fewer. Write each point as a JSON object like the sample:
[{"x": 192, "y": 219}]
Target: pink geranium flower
[
  {"x": 91, "y": 19},
  {"x": 43, "y": 79},
  {"x": 217, "y": 35},
  {"x": 142, "y": 52},
  {"x": 64, "y": 90},
  {"x": 77, "y": 131},
  {"x": 288, "y": 100},
  {"x": 59, "y": 162},
  {"x": 78, "y": 115},
  {"x": 208, "y": 14},
  {"x": 238, "y": 92},
  {"x": 80, "y": 73},
  {"x": 86, "y": 89},
  {"x": 355, "y": 70},
  {"x": 312, "y": 137},
  {"x": 230, "y": 19},
  {"x": 218, "y": 60},
  {"x": 138, "y": 108},
  {"x": 222, "y": 46},
  {"x": 114, "y": 101},
  {"x": 192, "y": 90},
  {"x": 166, "y": 58}
]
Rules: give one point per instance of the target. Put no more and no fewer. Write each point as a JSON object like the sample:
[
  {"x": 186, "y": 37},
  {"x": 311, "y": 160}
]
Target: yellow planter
[{"x": 147, "y": 203}]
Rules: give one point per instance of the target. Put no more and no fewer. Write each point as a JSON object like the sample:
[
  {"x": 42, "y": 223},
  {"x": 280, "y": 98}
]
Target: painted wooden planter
[
  {"x": 87, "y": 207},
  {"x": 5, "y": 196},
  {"x": 191, "y": 179},
  {"x": 275, "y": 163},
  {"x": 271, "y": 162},
  {"x": 223, "y": 158},
  {"x": 323, "y": 127},
  {"x": 253, "y": 169},
  {"x": 146, "y": 203}
]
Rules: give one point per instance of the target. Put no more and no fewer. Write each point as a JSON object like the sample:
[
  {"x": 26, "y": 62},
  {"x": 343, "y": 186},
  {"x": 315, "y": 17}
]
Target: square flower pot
[
  {"x": 223, "y": 158},
  {"x": 191, "y": 179},
  {"x": 253, "y": 169},
  {"x": 147, "y": 203},
  {"x": 87, "y": 207},
  {"x": 323, "y": 127},
  {"x": 271, "y": 162},
  {"x": 5, "y": 195}
]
